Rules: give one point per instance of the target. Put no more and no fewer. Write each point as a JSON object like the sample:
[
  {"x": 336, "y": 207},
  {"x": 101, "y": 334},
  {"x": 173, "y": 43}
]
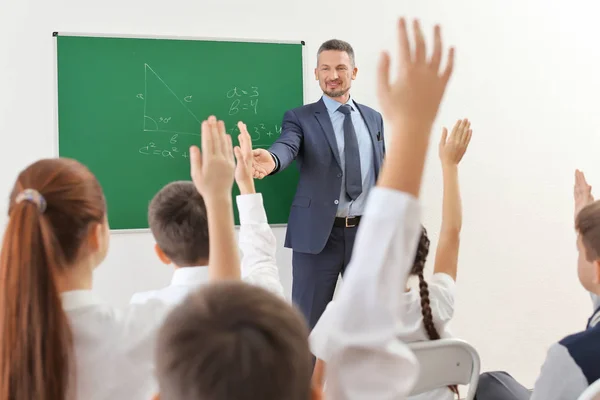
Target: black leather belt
[{"x": 347, "y": 222}]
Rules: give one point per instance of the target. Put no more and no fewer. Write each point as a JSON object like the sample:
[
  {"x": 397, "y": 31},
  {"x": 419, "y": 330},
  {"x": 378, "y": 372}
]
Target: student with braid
[{"x": 428, "y": 312}]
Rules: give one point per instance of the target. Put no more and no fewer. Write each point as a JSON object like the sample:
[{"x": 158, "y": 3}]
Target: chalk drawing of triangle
[{"x": 164, "y": 110}]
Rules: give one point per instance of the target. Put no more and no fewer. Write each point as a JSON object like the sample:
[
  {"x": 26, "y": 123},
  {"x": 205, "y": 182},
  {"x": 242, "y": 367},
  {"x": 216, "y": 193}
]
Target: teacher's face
[{"x": 335, "y": 73}]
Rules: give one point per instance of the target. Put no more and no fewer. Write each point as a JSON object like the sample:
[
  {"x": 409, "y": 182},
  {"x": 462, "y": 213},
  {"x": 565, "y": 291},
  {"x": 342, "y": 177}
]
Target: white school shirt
[
  {"x": 367, "y": 360},
  {"x": 113, "y": 348},
  {"x": 258, "y": 245},
  {"x": 409, "y": 321}
]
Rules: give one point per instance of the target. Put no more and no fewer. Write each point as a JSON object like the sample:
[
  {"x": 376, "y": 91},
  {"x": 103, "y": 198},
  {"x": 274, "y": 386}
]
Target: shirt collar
[
  {"x": 594, "y": 319},
  {"x": 190, "y": 276},
  {"x": 75, "y": 299},
  {"x": 332, "y": 105}
]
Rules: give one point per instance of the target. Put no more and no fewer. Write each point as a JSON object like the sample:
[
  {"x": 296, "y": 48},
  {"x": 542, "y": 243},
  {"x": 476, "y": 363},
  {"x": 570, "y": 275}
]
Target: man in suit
[{"x": 339, "y": 148}]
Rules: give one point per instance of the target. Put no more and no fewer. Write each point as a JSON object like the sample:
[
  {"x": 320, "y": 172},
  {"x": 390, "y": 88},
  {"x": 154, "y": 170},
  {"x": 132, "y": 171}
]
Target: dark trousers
[
  {"x": 500, "y": 386},
  {"x": 315, "y": 275}
]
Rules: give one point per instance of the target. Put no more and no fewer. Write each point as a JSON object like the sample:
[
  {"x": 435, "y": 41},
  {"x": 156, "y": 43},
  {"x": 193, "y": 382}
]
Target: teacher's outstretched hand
[{"x": 263, "y": 163}]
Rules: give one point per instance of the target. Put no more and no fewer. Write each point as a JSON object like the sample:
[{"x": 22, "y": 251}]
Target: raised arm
[
  {"x": 368, "y": 361},
  {"x": 451, "y": 151},
  {"x": 282, "y": 152},
  {"x": 212, "y": 172},
  {"x": 256, "y": 239}
]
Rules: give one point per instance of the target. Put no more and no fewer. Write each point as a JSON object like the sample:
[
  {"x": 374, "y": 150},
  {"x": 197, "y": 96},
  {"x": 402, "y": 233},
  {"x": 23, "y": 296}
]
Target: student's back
[
  {"x": 427, "y": 311},
  {"x": 57, "y": 339},
  {"x": 424, "y": 316}
]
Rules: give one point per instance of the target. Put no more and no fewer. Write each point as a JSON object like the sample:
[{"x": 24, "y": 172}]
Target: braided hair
[{"x": 417, "y": 269}]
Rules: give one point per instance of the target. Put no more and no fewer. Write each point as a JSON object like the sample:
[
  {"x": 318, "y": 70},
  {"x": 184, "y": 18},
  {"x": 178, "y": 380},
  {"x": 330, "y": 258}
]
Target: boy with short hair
[
  {"x": 178, "y": 222},
  {"x": 571, "y": 365},
  {"x": 244, "y": 327}
]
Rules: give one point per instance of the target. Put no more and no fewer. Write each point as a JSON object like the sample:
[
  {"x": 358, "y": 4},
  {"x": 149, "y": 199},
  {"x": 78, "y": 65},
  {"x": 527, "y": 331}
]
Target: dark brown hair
[
  {"x": 38, "y": 245},
  {"x": 337, "y": 45},
  {"x": 177, "y": 219},
  {"x": 417, "y": 269},
  {"x": 230, "y": 341},
  {"x": 587, "y": 225}
]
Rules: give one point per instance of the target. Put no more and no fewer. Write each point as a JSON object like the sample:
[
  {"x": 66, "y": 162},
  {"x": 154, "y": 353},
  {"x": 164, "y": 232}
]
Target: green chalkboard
[{"x": 129, "y": 108}]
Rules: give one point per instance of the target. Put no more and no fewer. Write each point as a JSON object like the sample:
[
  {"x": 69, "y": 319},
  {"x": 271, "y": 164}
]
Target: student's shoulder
[
  {"x": 582, "y": 339},
  {"x": 171, "y": 295},
  {"x": 561, "y": 377},
  {"x": 584, "y": 350},
  {"x": 143, "y": 297}
]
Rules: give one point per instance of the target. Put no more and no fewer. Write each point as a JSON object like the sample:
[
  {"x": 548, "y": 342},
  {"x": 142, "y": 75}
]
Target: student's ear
[
  {"x": 316, "y": 74},
  {"x": 354, "y": 72},
  {"x": 316, "y": 392},
  {"x": 161, "y": 255}
]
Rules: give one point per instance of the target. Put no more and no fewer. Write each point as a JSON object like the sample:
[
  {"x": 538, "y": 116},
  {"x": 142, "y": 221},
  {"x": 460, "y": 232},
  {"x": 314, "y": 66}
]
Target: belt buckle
[{"x": 349, "y": 226}]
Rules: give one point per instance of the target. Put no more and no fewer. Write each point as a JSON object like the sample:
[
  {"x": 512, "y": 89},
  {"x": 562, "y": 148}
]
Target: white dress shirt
[
  {"x": 258, "y": 245},
  {"x": 366, "y": 358},
  {"x": 409, "y": 323},
  {"x": 113, "y": 348}
]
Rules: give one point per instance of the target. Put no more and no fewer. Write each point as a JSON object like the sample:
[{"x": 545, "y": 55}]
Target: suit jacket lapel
[
  {"x": 375, "y": 134},
  {"x": 323, "y": 118}
]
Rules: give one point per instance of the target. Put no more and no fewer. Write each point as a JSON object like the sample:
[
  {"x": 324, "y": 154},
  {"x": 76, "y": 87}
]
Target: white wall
[{"x": 526, "y": 75}]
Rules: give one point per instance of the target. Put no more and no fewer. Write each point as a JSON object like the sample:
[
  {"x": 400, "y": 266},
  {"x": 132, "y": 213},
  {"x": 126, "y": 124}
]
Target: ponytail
[{"x": 35, "y": 336}]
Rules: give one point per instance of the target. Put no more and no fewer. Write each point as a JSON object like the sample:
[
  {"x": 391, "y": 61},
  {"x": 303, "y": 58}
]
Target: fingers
[
  {"x": 405, "y": 57},
  {"x": 245, "y": 140},
  {"x": 464, "y": 132},
  {"x": 206, "y": 139},
  {"x": 444, "y": 136},
  {"x": 383, "y": 77},
  {"x": 436, "y": 57},
  {"x": 468, "y": 137},
  {"x": 238, "y": 155},
  {"x": 456, "y": 128},
  {"x": 227, "y": 146},
  {"x": 195, "y": 162},
  {"x": 217, "y": 140},
  {"x": 449, "y": 66},
  {"x": 420, "y": 48}
]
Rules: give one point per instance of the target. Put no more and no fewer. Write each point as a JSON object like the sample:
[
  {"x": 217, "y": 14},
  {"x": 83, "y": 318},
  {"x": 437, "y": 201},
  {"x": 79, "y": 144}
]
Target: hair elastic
[{"x": 34, "y": 197}]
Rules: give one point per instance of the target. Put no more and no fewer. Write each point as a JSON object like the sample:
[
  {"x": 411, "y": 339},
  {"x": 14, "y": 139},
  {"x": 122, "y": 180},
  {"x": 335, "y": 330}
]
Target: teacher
[{"x": 339, "y": 148}]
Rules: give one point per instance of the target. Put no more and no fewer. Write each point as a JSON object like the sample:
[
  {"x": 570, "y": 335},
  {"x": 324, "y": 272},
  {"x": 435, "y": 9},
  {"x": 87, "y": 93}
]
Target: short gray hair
[{"x": 338, "y": 45}]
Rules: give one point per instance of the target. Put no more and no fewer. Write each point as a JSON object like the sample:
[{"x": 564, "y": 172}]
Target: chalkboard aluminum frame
[{"x": 56, "y": 34}]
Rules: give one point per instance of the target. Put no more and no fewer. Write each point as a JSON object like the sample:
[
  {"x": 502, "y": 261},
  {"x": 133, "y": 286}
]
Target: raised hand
[
  {"x": 582, "y": 192},
  {"x": 452, "y": 149},
  {"x": 419, "y": 88},
  {"x": 212, "y": 169},
  {"x": 243, "y": 153},
  {"x": 263, "y": 163},
  {"x": 411, "y": 104}
]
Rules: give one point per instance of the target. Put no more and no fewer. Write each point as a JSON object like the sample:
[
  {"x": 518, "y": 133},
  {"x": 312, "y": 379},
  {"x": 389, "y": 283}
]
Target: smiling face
[{"x": 335, "y": 72}]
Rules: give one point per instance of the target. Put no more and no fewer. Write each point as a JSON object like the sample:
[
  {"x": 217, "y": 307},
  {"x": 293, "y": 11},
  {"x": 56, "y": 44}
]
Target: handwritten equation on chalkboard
[{"x": 180, "y": 119}]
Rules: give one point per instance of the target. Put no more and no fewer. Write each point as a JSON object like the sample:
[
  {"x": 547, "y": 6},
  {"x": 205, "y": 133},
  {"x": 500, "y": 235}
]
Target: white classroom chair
[
  {"x": 446, "y": 362},
  {"x": 592, "y": 392}
]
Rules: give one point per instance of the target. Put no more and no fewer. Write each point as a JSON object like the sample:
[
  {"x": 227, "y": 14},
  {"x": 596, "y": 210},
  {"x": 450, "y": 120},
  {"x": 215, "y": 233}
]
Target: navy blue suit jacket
[{"x": 307, "y": 136}]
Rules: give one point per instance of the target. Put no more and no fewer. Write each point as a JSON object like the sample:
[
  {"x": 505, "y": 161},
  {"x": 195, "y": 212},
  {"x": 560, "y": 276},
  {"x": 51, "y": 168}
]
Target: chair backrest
[
  {"x": 592, "y": 392},
  {"x": 446, "y": 362}
]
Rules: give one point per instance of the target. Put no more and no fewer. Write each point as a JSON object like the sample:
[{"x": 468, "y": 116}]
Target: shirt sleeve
[
  {"x": 560, "y": 377},
  {"x": 319, "y": 336},
  {"x": 258, "y": 245},
  {"x": 442, "y": 289},
  {"x": 367, "y": 360}
]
